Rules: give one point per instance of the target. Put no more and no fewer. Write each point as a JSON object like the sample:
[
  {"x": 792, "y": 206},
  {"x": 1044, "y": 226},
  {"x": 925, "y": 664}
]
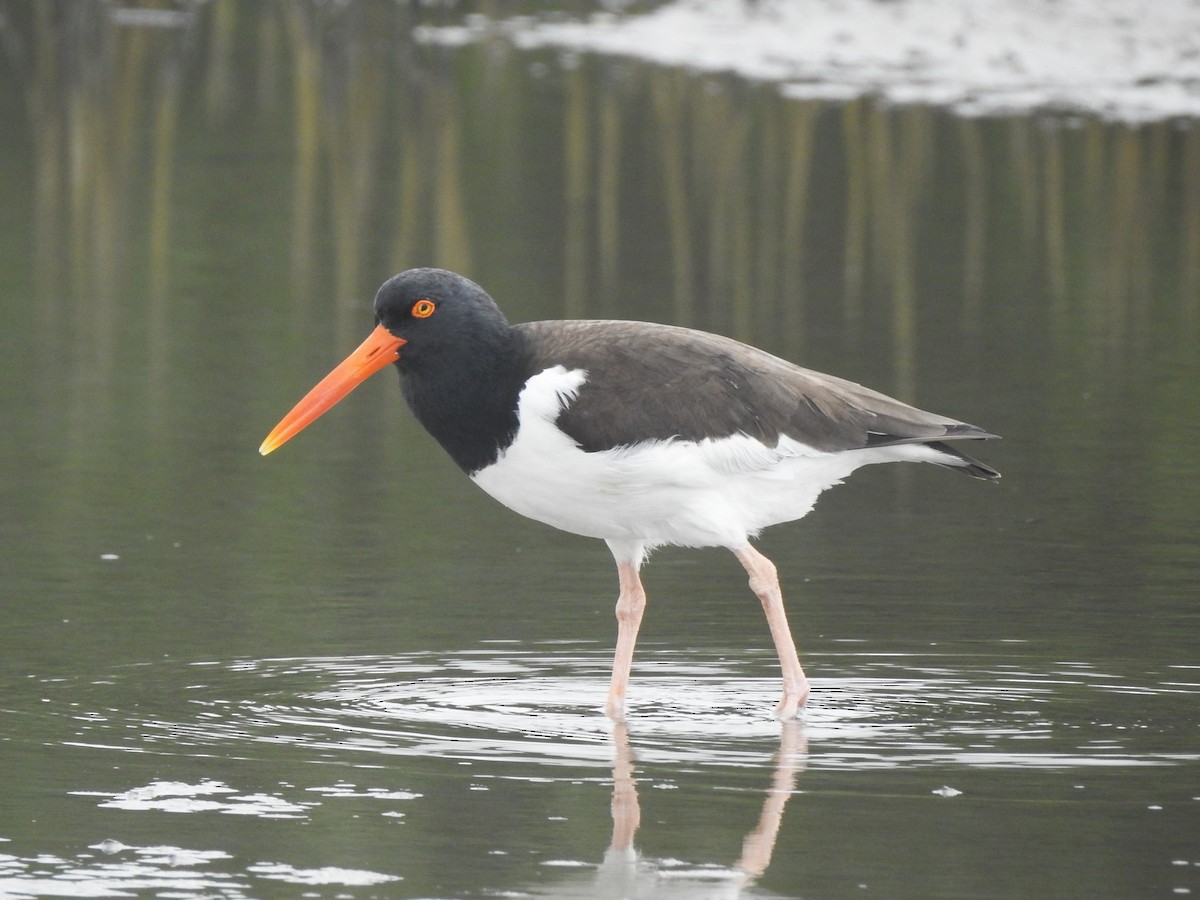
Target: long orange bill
[{"x": 378, "y": 350}]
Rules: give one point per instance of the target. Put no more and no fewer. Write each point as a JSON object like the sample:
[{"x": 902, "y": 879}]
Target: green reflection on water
[{"x": 198, "y": 216}]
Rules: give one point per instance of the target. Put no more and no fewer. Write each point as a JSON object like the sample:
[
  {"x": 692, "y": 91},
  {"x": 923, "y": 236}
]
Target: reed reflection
[
  {"x": 727, "y": 185},
  {"x": 186, "y": 166}
]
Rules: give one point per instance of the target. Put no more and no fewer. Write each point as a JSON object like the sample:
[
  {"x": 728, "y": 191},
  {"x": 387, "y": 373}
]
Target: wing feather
[{"x": 650, "y": 382}]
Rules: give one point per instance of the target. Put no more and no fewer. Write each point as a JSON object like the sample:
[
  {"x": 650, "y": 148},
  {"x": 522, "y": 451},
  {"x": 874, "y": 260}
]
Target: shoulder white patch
[{"x": 547, "y": 393}]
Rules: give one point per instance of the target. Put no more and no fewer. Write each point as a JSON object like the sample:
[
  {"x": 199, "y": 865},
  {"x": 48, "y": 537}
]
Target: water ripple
[{"x": 540, "y": 707}]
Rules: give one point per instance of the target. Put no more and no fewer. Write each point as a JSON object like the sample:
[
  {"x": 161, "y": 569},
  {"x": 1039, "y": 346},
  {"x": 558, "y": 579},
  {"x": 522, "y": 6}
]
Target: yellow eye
[{"x": 423, "y": 309}]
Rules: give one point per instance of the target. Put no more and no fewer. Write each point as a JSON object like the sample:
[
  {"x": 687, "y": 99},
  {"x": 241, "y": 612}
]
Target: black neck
[{"x": 468, "y": 401}]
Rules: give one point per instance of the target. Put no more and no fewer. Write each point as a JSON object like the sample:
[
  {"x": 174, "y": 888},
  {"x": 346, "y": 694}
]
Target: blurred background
[{"x": 197, "y": 202}]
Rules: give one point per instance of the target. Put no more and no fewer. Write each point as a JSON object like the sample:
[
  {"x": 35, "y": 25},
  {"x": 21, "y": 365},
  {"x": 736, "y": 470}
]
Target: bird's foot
[
  {"x": 794, "y": 700},
  {"x": 614, "y": 708}
]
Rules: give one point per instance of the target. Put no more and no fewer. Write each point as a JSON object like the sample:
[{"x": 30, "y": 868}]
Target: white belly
[{"x": 715, "y": 492}]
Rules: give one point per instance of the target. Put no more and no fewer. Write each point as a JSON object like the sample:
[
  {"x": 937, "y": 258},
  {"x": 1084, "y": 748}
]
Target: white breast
[{"x": 714, "y": 492}]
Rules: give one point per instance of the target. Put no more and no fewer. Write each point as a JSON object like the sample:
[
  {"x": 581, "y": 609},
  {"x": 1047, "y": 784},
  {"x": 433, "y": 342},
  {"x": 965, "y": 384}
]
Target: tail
[
  {"x": 961, "y": 462},
  {"x": 943, "y": 442}
]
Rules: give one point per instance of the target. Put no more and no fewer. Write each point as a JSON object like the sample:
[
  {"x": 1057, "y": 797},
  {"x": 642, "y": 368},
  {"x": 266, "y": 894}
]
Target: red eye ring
[{"x": 423, "y": 309}]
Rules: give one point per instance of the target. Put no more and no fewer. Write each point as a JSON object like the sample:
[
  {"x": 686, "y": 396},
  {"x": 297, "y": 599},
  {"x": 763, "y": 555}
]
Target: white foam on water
[{"x": 1124, "y": 60}]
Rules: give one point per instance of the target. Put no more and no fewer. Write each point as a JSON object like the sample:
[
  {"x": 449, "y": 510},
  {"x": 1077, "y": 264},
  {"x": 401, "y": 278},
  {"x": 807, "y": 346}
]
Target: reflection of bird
[
  {"x": 639, "y": 434},
  {"x": 626, "y": 874}
]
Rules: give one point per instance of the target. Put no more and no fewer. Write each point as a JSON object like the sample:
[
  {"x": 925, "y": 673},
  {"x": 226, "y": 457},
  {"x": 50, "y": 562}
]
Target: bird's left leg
[
  {"x": 630, "y": 605},
  {"x": 764, "y": 581}
]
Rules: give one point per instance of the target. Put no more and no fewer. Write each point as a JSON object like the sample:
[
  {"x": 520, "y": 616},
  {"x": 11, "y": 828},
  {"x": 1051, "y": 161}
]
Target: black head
[
  {"x": 452, "y": 344},
  {"x": 439, "y": 315}
]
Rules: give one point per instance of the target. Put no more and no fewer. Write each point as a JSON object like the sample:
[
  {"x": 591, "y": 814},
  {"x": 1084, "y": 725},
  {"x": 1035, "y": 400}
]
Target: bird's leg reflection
[
  {"x": 759, "y": 844},
  {"x": 626, "y": 812}
]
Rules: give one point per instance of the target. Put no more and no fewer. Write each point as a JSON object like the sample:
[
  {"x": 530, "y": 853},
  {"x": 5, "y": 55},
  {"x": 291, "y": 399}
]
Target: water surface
[{"x": 343, "y": 671}]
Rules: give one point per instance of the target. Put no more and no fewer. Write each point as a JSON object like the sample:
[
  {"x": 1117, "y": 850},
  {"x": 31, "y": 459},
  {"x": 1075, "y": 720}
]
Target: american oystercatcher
[{"x": 639, "y": 434}]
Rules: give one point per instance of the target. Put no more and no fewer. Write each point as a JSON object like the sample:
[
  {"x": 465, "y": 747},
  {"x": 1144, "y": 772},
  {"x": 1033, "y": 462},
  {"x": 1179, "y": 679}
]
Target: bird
[{"x": 640, "y": 434}]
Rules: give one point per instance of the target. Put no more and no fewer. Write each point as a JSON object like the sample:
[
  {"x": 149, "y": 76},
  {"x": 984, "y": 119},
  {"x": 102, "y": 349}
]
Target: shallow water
[
  {"x": 226, "y": 777},
  {"x": 343, "y": 671}
]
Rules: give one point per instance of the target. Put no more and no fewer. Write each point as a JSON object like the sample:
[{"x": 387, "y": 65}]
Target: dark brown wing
[{"x": 658, "y": 382}]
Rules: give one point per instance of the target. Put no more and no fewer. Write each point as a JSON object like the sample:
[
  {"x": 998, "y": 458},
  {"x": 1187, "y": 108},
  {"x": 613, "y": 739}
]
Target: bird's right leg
[
  {"x": 630, "y": 604},
  {"x": 764, "y": 581}
]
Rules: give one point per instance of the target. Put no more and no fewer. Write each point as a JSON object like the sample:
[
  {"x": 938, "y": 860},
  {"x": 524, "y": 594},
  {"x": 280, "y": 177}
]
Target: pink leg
[
  {"x": 630, "y": 605},
  {"x": 764, "y": 581}
]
